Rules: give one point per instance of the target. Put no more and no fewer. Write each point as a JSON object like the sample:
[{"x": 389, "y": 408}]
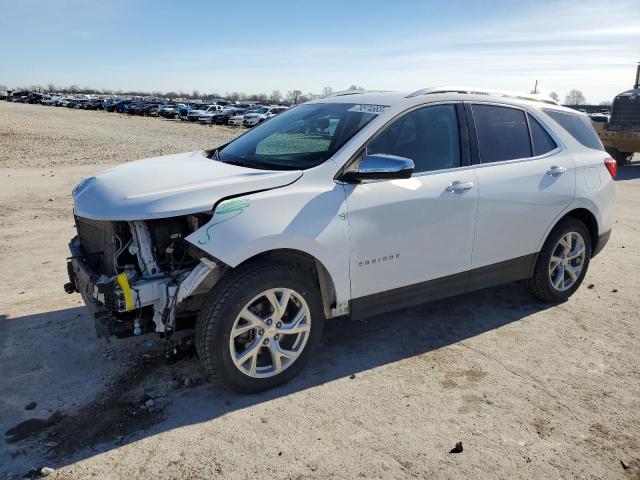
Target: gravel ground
[
  {"x": 38, "y": 136},
  {"x": 531, "y": 391}
]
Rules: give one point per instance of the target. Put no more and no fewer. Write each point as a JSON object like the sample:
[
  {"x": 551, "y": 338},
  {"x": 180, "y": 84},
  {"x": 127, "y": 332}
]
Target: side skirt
[{"x": 383, "y": 302}]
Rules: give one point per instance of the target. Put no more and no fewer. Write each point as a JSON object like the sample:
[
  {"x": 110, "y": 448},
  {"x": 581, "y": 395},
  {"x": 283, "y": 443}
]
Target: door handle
[
  {"x": 555, "y": 170},
  {"x": 458, "y": 186}
]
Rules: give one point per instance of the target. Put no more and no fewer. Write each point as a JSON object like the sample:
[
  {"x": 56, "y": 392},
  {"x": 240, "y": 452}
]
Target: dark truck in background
[{"x": 621, "y": 134}]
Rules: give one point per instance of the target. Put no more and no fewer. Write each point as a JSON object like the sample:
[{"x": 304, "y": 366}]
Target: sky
[{"x": 255, "y": 46}]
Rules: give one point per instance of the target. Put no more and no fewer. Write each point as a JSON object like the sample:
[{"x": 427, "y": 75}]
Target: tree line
[
  {"x": 292, "y": 96},
  {"x": 574, "y": 97}
]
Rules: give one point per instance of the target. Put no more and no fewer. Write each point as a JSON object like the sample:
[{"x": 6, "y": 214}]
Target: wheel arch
[
  {"x": 305, "y": 260},
  {"x": 587, "y": 217}
]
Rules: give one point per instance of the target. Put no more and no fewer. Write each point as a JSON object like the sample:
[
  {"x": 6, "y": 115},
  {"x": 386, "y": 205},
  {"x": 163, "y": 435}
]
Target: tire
[
  {"x": 221, "y": 313},
  {"x": 621, "y": 158},
  {"x": 541, "y": 284}
]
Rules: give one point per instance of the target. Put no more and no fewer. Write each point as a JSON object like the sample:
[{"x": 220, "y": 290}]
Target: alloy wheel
[
  {"x": 567, "y": 261},
  {"x": 270, "y": 333}
]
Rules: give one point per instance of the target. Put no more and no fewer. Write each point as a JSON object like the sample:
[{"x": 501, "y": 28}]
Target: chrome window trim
[
  {"x": 493, "y": 164},
  {"x": 521, "y": 160},
  {"x": 560, "y": 146}
]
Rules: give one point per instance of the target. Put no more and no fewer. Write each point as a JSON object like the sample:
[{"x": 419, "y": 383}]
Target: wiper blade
[{"x": 248, "y": 164}]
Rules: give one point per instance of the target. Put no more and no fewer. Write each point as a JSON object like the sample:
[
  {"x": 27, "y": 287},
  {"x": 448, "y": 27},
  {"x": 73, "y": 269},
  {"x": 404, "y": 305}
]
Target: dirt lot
[{"x": 532, "y": 391}]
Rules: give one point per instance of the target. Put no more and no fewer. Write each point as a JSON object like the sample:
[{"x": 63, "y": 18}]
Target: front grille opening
[{"x": 105, "y": 245}]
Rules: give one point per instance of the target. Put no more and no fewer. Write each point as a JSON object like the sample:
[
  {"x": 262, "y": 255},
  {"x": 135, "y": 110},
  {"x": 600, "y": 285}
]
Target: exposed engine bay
[{"x": 141, "y": 276}]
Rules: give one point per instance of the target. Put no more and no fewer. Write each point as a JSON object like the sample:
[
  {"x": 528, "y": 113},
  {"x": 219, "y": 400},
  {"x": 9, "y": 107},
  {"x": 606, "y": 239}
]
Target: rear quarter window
[
  {"x": 578, "y": 127},
  {"x": 542, "y": 141}
]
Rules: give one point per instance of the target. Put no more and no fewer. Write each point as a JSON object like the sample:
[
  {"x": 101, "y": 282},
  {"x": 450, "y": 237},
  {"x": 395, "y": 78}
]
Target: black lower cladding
[
  {"x": 100, "y": 241},
  {"x": 602, "y": 241},
  {"x": 504, "y": 272}
]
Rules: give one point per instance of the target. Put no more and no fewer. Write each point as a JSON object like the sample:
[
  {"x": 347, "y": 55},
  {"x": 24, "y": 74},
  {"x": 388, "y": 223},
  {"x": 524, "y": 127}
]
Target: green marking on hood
[
  {"x": 235, "y": 207},
  {"x": 232, "y": 205}
]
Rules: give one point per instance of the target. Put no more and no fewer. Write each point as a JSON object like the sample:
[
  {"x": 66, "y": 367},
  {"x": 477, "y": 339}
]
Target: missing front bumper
[{"x": 117, "y": 308}]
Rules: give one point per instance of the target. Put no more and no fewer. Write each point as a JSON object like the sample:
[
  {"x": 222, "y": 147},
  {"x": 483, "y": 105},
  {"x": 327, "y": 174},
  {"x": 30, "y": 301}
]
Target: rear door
[{"x": 525, "y": 177}]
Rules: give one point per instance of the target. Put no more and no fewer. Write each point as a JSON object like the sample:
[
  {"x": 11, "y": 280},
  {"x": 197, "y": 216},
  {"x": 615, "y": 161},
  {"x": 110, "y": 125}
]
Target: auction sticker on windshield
[{"x": 364, "y": 108}]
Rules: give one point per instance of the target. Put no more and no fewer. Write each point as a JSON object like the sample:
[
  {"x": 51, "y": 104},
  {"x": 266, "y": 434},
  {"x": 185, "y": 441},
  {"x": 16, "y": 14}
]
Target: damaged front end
[
  {"x": 141, "y": 276},
  {"x": 131, "y": 261}
]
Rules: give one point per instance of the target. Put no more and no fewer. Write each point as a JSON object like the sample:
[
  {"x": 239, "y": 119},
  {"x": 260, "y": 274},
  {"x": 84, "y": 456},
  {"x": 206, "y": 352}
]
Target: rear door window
[
  {"x": 503, "y": 133},
  {"x": 542, "y": 141},
  {"x": 579, "y": 127}
]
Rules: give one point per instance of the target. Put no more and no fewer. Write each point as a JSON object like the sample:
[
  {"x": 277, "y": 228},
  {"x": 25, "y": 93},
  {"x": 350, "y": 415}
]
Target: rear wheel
[
  {"x": 562, "y": 263},
  {"x": 259, "y": 328},
  {"x": 622, "y": 158}
]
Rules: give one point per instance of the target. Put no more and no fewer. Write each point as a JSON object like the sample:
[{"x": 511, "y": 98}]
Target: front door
[{"x": 404, "y": 234}]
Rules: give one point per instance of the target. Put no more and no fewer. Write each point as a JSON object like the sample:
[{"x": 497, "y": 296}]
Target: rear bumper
[{"x": 602, "y": 241}]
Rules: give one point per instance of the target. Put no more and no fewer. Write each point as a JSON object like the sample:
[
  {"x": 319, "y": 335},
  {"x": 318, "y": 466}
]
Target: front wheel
[
  {"x": 562, "y": 263},
  {"x": 260, "y": 326}
]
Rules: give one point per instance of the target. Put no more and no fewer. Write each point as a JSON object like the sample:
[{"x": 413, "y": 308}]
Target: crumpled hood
[{"x": 169, "y": 186}]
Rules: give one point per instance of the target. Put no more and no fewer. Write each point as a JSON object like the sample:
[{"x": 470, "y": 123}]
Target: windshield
[{"x": 300, "y": 138}]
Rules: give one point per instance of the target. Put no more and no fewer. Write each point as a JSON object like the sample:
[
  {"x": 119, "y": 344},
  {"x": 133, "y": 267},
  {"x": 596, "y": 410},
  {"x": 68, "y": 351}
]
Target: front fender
[{"x": 297, "y": 217}]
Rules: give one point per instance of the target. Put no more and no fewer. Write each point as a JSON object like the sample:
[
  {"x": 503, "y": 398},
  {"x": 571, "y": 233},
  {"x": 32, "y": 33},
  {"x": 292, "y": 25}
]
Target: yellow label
[{"x": 123, "y": 281}]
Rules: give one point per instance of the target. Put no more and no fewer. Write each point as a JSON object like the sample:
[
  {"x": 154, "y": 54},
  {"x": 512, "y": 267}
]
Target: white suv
[
  {"x": 195, "y": 115},
  {"x": 356, "y": 204},
  {"x": 252, "y": 119}
]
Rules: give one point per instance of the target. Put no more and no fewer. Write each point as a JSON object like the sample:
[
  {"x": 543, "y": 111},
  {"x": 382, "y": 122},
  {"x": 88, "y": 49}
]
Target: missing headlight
[{"x": 171, "y": 251}]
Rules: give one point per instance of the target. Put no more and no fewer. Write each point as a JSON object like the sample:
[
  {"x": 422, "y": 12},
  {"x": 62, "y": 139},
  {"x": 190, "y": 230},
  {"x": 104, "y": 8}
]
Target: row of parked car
[{"x": 220, "y": 112}]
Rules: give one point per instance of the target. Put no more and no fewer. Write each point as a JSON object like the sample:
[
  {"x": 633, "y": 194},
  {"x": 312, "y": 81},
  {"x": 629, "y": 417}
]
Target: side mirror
[{"x": 380, "y": 167}]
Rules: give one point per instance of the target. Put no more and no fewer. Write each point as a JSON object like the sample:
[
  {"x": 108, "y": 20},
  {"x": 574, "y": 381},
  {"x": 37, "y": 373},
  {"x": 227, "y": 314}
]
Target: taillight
[{"x": 612, "y": 166}]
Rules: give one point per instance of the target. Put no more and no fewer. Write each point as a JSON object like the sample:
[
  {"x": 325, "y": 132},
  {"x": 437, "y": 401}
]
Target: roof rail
[
  {"x": 353, "y": 92},
  {"x": 535, "y": 97}
]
